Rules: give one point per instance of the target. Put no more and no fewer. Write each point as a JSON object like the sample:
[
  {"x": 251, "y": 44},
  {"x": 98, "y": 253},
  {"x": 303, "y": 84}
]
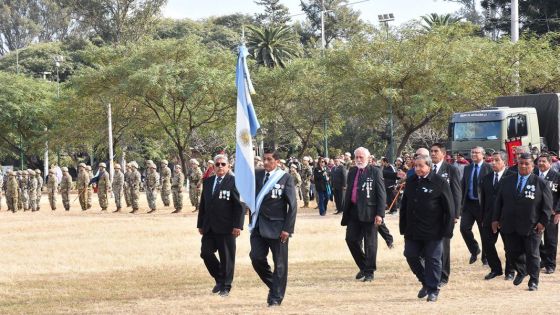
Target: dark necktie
[
  {"x": 354, "y": 196},
  {"x": 495, "y": 179},
  {"x": 266, "y": 176},
  {"x": 217, "y": 186},
  {"x": 520, "y": 184},
  {"x": 475, "y": 182},
  {"x": 435, "y": 169}
]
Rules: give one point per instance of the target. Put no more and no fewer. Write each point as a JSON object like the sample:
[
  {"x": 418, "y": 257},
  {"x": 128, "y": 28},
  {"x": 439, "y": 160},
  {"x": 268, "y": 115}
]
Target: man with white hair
[{"x": 364, "y": 209}]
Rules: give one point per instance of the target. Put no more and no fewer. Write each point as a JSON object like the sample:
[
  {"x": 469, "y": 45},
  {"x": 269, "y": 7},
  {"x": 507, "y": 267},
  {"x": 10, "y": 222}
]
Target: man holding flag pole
[{"x": 269, "y": 194}]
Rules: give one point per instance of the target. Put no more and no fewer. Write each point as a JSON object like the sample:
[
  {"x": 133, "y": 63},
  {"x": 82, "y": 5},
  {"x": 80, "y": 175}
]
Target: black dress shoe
[
  {"x": 224, "y": 292},
  {"x": 217, "y": 288},
  {"x": 474, "y": 257},
  {"x": 549, "y": 270},
  {"x": 368, "y": 278},
  {"x": 423, "y": 292},
  {"x": 152, "y": 211},
  {"x": 177, "y": 211},
  {"x": 518, "y": 279},
  {"x": 273, "y": 303},
  {"x": 509, "y": 276},
  {"x": 442, "y": 284},
  {"x": 492, "y": 275},
  {"x": 360, "y": 275},
  {"x": 533, "y": 286},
  {"x": 432, "y": 297}
]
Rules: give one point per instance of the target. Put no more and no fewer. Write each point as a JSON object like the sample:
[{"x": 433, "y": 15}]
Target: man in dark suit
[
  {"x": 549, "y": 247},
  {"x": 272, "y": 225},
  {"x": 220, "y": 221},
  {"x": 470, "y": 204},
  {"x": 451, "y": 174},
  {"x": 364, "y": 209},
  {"x": 338, "y": 177},
  {"x": 523, "y": 209},
  {"x": 487, "y": 196},
  {"x": 427, "y": 216}
]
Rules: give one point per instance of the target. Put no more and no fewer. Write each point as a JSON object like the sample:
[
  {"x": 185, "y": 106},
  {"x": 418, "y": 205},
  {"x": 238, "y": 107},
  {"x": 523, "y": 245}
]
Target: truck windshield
[{"x": 477, "y": 130}]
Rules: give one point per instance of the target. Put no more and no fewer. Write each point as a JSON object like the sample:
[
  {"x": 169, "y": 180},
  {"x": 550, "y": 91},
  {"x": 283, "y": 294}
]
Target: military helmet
[
  {"x": 24, "y": 173},
  {"x": 134, "y": 164},
  {"x": 117, "y": 166},
  {"x": 211, "y": 162},
  {"x": 164, "y": 162},
  {"x": 194, "y": 161},
  {"x": 11, "y": 173},
  {"x": 37, "y": 171},
  {"x": 88, "y": 167},
  {"x": 31, "y": 172},
  {"x": 51, "y": 171},
  {"x": 82, "y": 165},
  {"x": 64, "y": 169},
  {"x": 102, "y": 165},
  {"x": 178, "y": 167}
]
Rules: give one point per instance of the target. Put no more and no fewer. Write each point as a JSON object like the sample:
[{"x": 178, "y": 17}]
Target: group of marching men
[{"x": 23, "y": 189}]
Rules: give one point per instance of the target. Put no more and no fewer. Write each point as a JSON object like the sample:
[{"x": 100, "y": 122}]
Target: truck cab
[{"x": 490, "y": 127}]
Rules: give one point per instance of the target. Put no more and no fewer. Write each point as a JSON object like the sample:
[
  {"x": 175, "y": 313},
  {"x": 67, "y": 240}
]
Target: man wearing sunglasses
[{"x": 220, "y": 221}]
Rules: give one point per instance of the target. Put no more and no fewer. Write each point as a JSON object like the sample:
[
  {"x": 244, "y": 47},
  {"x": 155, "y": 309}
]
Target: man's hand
[
  {"x": 539, "y": 228},
  {"x": 495, "y": 227},
  {"x": 556, "y": 218},
  {"x": 236, "y": 232},
  {"x": 200, "y": 231},
  {"x": 378, "y": 220},
  {"x": 284, "y": 236},
  {"x": 455, "y": 220}
]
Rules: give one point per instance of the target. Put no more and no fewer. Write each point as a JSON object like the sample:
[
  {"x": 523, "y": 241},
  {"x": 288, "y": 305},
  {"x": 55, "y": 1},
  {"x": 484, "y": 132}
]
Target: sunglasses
[{"x": 221, "y": 164}]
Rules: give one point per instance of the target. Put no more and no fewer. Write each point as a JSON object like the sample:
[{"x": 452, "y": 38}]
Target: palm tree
[
  {"x": 434, "y": 20},
  {"x": 272, "y": 46}
]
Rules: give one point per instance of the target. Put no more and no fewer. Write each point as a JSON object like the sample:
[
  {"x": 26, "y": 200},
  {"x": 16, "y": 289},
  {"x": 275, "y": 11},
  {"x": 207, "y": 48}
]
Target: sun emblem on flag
[{"x": 245, "y": 137}]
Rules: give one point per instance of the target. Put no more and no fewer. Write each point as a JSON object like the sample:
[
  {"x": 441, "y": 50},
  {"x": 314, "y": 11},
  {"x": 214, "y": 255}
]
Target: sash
[{"x": 272, "y": 180}]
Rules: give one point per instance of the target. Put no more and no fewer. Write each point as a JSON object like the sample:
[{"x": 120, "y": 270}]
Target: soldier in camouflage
[
  {"x": 103, "y": 186},
  {"x": 12, "y": 190},
  {"x": 32, "y": 190},
  {"x": 39, "y": 188},
  {"x": 177, "y": 188},
  {"x": 152, "y": 183},
  {"x": 65, "y": 187},
  {"x": 82, "y": 186},
  {"x": 52, "y": 187},
  {"x": 126, "y": 186},
  {"x": 2, "y": 178},
  {"x": 89, "y": 187},
  {"x": 134, "y": 183},
  {"x": 24, "y": 190},
  {"x": 165, "y": 183},
  {"x": 195, "y": 183},
  {"x": 306, "y": 176},
  {"x": 19, "y": 178},
  {"x": 118, "y": 186}
]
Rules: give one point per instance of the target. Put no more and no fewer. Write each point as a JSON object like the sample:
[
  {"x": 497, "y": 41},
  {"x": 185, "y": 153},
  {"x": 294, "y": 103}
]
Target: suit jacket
[
  {"x": 368, "y": 206},
  {"x": 451, "y": 174},
  {"x": 485, "y": 168},
  {"x": 520, "y": 212},
  {"x": 319, "y": 179},
  {"x": 389, "y": 176},
  {"x": 552, "y": 178},
  {"x": 276, "y": 214},
  {"x": 427, "y": 208},
  {"x": 487, "y": 196},
  {"x": 220, "y": 211},
  {"x": 338, "y": 177}
]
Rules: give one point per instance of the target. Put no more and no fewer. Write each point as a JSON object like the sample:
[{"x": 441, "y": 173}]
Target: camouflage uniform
[
  {"x": 12, "y": 192},
  {"x": 89, "y": 187},
  {"x": 152, "y": 182},
  {"x": 39, "y": 189},
  {"x": 134, "y": 182},
  {"x": 103, "y": 186},
  {"x": 118, "y": 185},
  {"x": 126, "y": 185},
  {"x": 32, "y": 190},
  {"x": 24, "y": 184},
  {"x": 19, "y": 178},
  {"x": 177, "y": 188},
  {"x": 82, "y": 186},
  {"x": 2, "y": 176},
  {"x": 65, "y": 187},
  {"x": 195, "y": 184},
  {"x": 165, "y": 183},
  {"x": 306, "y": 174},
  {"x": 52, "y": 187}
]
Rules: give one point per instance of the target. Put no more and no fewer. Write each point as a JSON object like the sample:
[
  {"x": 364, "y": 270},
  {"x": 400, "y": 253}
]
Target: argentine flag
[{"x": 246, "y": 128}]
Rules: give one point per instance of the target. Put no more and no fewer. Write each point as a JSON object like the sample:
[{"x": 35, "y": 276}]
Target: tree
[
  {"x": 176, "y": 86},
  {"x": 272, "y": 46},
  {"x": 434, "y": 20},
  {"x": 275, "y": 13},
  {"x": 341, "y": 21},
  {"x": 468, "y": 11}
]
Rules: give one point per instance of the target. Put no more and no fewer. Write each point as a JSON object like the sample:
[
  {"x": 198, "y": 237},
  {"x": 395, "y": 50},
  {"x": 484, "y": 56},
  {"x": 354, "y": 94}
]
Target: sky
[{"x": 404, "y": 10}]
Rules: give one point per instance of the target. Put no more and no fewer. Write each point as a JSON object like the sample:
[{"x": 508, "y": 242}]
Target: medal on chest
[
  {"x": 368, "y": 186},
  {"x": 529, "y": 191}
]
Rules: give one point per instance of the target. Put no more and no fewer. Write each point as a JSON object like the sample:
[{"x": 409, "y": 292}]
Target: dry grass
[{"x": 67, "y": 263}]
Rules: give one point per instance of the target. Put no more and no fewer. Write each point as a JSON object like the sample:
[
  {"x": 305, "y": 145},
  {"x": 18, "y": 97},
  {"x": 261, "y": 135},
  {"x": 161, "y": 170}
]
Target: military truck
[{"x": 534, "y": 119}]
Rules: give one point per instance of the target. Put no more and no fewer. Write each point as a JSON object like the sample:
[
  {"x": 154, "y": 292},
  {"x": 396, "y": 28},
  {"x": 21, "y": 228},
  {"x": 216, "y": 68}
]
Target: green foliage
[
  {"x": 272, "y": 46},
  {"x": 275, "y": 13},
  {"x": 434, "y": 20}
]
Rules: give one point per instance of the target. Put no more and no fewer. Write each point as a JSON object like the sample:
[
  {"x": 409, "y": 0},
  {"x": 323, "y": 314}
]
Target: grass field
[{"x": 102, "y": 263}]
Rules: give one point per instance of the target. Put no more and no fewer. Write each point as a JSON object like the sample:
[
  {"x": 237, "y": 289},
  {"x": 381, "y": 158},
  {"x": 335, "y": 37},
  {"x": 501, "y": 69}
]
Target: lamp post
[
  {"x": 385, "y": 19},
  {"x": 46, "y": 158},
  {"x": 515, "y": 38},
  {"x": 58, "y": 59}
]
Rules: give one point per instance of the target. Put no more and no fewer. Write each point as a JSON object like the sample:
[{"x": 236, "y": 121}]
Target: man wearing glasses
[
  {"x": 470, "y": 202},
  {"x": 220, "y": 221}
]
